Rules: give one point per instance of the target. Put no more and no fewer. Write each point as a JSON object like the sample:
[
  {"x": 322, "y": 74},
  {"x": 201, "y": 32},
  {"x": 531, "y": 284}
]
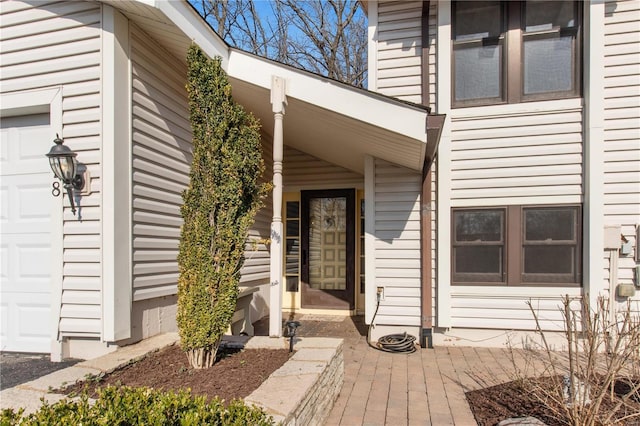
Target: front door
[{"x": 328, "y": 249}]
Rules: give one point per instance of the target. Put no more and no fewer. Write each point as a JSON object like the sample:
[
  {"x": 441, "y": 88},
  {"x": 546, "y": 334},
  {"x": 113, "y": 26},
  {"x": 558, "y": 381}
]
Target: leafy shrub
[
  {"x": 137, "y": 406},
  {"x": 220, "y": 203}
]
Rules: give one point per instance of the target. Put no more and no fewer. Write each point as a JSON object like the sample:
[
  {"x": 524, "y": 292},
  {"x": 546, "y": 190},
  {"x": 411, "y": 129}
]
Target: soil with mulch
[
  {"x": 510, "y": 400},
  {"x": 235, "y": 374}
]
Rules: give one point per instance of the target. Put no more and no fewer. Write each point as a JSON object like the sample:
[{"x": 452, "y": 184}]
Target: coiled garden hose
[{"x": 394, "y": 343}]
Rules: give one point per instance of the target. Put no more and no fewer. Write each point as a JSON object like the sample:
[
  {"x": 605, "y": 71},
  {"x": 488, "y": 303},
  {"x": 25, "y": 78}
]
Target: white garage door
[{"x": 25, "y": 237}]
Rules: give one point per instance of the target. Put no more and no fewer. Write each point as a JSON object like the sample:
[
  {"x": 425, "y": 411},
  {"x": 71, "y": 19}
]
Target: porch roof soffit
[{"x": 325, "y": 118}]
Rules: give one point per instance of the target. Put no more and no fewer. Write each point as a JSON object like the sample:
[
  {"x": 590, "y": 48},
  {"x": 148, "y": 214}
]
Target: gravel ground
[{"x": 17, "y": 368}]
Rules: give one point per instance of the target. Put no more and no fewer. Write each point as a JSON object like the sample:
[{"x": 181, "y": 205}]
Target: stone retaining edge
[{"x": 304, "y": 389}]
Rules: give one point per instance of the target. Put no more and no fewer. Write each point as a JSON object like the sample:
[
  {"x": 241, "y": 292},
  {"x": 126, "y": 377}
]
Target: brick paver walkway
[{"x": 423, "y": 388}]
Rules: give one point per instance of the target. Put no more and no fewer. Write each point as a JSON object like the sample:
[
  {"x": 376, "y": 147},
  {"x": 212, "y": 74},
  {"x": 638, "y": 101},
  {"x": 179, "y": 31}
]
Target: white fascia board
[
  {"x": 325, "y": 93},
  {"x": 194, "y": 26}
]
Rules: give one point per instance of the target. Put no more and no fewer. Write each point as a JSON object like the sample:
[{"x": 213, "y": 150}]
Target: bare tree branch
[{"x": 328, "y": 37}]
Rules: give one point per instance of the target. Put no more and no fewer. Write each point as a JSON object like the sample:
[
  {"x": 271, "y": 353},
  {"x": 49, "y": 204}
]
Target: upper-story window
[{"x": 515, "y": 51}]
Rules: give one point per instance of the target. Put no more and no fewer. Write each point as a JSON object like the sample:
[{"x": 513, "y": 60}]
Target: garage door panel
[
  {"x": 28, "y": 263},
  {"x": 34, "y": 143},
  {"x": 33, "y": 203},
  {"x": 4, "y": 204},
  {"x": 4, "y": 261},
  {"x": 5, "y": 331},
  {"x": 32, "y": 279},
  {"x": 25, "y": 141},
  {"x": 4, "y": 148},
  {"x": 25, "y": 323},
  {"x": 27, "y": 201}
]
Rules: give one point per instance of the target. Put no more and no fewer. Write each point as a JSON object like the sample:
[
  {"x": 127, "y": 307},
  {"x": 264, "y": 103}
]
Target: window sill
[
  {"x": 564, "y": 105},
  {"x": 492, "y": 291}
]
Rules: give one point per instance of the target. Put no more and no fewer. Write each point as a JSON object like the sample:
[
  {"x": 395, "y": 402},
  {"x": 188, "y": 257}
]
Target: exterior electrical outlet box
[
  {"x": 612, "y": 237},
  {"x": 626, "y": 290},
  {"x": 636, "y": 273}
]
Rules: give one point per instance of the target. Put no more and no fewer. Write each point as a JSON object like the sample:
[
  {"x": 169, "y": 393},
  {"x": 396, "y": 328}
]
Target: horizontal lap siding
[
  {"x": 397, "y": 243},
  {"x": 162, "y": 154},
  {"x": 622, "y": 124},
  {"x": 255, "y": 270},
  {"x": 399, "y": 67},
  {"x": 303, "y": 171},
  {"x": 433, "y": 41},
  {"x": 506, "y": 308},
  {"x": 161, "y": 162},
  {"x": 523, "y": 158},
  {"x": 57, "y": 44}
]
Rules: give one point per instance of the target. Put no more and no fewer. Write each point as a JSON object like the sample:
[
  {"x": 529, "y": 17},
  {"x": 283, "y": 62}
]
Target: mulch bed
[
  {"x": 235, "y": 375},
  {"x": 508, "y": 400}
]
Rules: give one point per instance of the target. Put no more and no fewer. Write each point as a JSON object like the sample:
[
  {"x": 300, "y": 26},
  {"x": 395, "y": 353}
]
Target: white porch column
[{"x": 278, "y": 103}]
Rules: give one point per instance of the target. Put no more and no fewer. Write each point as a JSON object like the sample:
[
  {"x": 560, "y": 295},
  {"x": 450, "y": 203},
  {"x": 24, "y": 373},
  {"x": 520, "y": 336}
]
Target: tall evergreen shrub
[{"x": 220, "y": 203}]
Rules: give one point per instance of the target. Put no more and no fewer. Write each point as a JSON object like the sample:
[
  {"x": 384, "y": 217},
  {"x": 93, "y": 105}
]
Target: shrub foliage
[
  {"x": 140, "y": 406},
  {"x": 220, "y": 203}
]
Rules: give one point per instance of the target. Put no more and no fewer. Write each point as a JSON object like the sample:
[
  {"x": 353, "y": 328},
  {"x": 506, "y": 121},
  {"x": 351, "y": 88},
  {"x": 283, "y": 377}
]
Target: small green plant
[
  {"x": 220, "y": 203},
  {"x": 137, "y": 406}
]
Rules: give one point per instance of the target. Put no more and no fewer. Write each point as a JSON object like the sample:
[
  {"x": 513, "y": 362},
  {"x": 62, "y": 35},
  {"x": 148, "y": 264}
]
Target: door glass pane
[
  {"x": 328, "y": 243},
  {"x": 293, "y": 208},
  {"x": 292, "y": 265},
  {"x": 292, "y": 284},
  {"x": 548, "y": 65},
  {"x": 292, "y": 228}
]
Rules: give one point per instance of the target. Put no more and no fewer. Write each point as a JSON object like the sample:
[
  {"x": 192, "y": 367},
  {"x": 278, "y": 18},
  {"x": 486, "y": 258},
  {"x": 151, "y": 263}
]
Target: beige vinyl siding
[
  {"x": 303, "y": 171},
  {"x": 255, "y": 270},
  {"x": 397, "y": 243},
  {"x": 399, "y": 53},
  {"x": 57, "y": 44},
  {"x": 433, "y": 40},
  {"x": 161, "y": 156},
  {"x": 516, "y": 158},
  {"x": 500, "y": 308},
  {"x": 622, "y": 124}
]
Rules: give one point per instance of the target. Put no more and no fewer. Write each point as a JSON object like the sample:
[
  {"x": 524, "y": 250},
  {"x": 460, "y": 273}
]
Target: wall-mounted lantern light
[{"x": 63, "y": 163}]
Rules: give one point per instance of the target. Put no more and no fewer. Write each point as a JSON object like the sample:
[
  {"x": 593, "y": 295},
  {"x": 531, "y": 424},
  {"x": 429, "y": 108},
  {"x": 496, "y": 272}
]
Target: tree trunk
[{"x": 202, "y": 357}]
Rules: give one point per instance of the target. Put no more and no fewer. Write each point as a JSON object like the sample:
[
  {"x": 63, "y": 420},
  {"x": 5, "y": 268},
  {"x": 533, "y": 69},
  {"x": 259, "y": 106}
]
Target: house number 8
[{"x": 56, "y": 189}]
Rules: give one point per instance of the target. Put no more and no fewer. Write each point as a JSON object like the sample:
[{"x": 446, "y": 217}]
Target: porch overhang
[{"x": 331, "y": 120}]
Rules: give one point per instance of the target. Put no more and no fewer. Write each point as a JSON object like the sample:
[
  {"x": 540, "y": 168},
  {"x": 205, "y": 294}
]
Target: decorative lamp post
[{"x": 63, "y": 163}]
